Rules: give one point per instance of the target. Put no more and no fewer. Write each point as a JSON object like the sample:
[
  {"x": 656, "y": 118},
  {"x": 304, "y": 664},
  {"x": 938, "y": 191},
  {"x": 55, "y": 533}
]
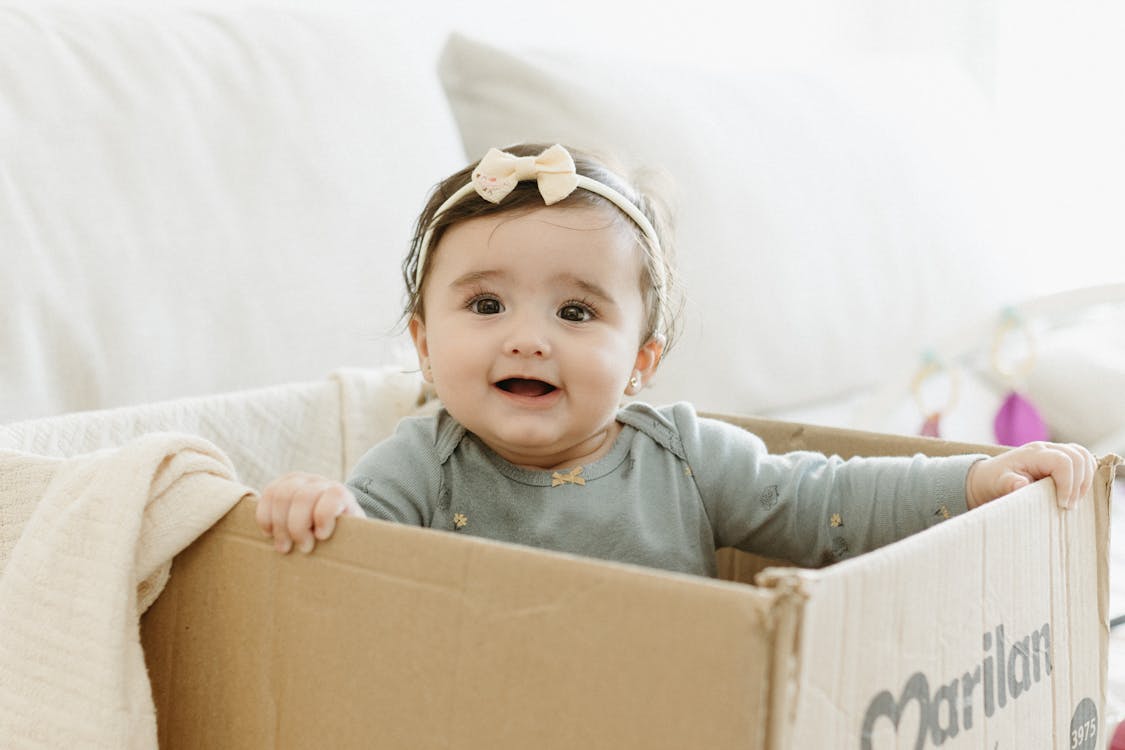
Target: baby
[{"x": 540, "y": 292}]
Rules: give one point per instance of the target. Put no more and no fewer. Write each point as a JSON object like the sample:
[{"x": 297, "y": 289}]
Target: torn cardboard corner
[{"x": 987, "y": 630}]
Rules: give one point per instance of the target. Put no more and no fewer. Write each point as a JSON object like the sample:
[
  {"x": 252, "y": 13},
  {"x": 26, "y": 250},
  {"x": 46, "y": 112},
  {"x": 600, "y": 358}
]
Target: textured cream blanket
[{"x": 85, "y": 546}]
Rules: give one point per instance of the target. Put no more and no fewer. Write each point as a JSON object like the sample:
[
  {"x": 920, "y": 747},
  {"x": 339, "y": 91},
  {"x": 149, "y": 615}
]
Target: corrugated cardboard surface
[
  {"x": 903, "y": 647},
  {"x": 987, "y": 631},
  {"x": 397, "y": 637}
]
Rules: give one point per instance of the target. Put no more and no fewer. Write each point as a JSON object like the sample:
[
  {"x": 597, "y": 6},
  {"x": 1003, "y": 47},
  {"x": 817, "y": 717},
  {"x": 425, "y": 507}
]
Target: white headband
[{"x": 499, "y": 172}]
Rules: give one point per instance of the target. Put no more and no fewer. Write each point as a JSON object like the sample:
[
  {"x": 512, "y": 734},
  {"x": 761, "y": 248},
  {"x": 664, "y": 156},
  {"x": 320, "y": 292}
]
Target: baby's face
[{"x": 533, "y": 328}]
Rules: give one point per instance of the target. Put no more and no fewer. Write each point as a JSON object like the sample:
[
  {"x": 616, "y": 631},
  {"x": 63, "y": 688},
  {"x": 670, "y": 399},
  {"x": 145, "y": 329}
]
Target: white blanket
[
  {"x": 322, "y": 426},
  {"x": 85, "y": 546}
]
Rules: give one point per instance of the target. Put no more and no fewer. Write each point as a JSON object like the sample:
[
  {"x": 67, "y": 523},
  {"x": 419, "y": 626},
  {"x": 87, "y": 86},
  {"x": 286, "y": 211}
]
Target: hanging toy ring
[
  {"x": 1011, "y": 323},
  {"x": 931, "y": 368},
  {"x": 1018, "y": 421}
]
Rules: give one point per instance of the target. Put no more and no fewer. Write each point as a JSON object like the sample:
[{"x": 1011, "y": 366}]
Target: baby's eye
[
  {"x": 486, "y": 306},
  {"x": 576, "y": 312}
]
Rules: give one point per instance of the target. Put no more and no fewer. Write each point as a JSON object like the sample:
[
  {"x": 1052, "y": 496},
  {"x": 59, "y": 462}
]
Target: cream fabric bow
[
  {"x": 570, "y": 477},
  {"x": 499, "y": 172}
]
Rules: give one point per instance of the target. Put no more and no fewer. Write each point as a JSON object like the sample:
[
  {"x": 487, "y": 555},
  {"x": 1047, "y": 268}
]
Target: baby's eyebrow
[
  {"x": 587, "y": 286},
  {"x": 474, "y": 277}
]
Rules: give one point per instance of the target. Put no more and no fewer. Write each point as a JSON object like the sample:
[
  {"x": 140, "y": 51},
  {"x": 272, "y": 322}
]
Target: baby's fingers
[
  {"x": 1076, "y": 475},
  {"x": 1071, "y": 467},
  {"x": 1085, "y": 470},
  {"x": 302, "y": 513},
  {"x": 285, "y": 510},
  {"x": 272, "y": 513},
  {"x": 1091, "y": 469},
  {"x": 333, "y": 502},
  {"x": 1012, "y": 481}
]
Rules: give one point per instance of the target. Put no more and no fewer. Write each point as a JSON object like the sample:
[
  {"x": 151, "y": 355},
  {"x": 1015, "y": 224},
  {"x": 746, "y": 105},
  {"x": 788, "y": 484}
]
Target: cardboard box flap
[
  {"x": 408, "y": 638},
  {"x": 976, "y": 632},
  {"x": 783, "y": 437}
]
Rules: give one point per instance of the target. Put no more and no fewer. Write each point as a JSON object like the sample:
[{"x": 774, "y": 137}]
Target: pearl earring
[{"x": 634, "y": 382}]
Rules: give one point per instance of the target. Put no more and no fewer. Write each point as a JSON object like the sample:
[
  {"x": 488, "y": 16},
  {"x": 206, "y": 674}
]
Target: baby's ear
[
  {"x": 648, "y": 357},
  {"x": 421, "y": 346}
]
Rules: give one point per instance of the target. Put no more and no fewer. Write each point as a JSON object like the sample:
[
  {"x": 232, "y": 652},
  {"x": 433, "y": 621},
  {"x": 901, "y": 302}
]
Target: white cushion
[
  {"x": 1078, "y": 381},
  {"x": 833, "y": 223},
  {"x": 199, "y": 200}
]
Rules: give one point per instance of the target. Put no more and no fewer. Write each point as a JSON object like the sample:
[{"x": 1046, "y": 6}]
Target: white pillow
[
  {"x": 201, "y": 197},
  {"x": 832, "y": 223},
  {"x": 1078, "y": 381}
]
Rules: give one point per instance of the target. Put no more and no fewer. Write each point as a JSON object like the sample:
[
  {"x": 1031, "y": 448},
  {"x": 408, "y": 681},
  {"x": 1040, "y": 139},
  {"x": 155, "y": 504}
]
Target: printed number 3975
[{"x": 1085, "y": 729}]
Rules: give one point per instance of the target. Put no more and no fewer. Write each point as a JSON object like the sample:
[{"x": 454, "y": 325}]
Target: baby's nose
[
  {"x": 527, "y": 341},
  {"x": 529, "y": 349}
]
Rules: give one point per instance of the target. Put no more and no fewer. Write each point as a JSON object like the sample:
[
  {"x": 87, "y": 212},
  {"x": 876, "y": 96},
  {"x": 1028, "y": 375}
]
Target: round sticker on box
[{"x": 1084, "y": 726}]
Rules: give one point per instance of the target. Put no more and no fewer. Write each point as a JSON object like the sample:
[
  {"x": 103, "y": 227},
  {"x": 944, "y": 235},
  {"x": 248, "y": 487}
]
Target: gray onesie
[{"x": 673, "y": 488}]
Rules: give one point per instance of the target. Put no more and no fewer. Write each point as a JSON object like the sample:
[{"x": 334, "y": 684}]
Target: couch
[{"x": 203, "y": 197}]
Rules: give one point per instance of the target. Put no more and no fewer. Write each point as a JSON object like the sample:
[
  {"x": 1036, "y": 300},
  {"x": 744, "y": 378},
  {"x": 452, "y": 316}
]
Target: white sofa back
[
  {"x": 203, "y": 198},
  {"x": 198, "y": 197}
]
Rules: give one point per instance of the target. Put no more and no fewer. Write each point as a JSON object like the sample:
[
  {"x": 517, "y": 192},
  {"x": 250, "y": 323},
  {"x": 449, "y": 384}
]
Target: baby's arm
[
  {"x": 300, "y": 508},
  {"x": 1071, "y": 466},
  {"x": 808, "y": 508}
]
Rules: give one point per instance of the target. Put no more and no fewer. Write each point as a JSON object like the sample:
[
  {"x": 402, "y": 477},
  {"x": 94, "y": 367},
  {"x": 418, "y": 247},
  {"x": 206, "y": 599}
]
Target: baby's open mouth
[{"x": 524, "y": 387}]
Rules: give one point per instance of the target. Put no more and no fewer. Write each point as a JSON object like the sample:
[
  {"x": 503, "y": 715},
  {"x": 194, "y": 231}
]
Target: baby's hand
[
  {"x": 300, "y": 508},
  {"x": 1071, "y": 466}
]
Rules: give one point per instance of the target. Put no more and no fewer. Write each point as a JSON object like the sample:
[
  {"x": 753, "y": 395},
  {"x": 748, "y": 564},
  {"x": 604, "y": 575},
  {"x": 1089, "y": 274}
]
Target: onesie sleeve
[
  {"x": 808, "y": 508},
  {"x": 400, "y": 478}
]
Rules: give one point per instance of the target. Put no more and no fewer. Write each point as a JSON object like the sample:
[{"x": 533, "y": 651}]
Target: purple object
[{"x": 1018, "y": 422}]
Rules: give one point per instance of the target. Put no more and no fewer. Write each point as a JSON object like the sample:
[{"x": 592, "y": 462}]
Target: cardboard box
[{"x": 987, "y": 631}]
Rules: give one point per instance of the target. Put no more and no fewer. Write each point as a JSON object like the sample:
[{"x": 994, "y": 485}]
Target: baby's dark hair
[{"x": 659, "y": 287}]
